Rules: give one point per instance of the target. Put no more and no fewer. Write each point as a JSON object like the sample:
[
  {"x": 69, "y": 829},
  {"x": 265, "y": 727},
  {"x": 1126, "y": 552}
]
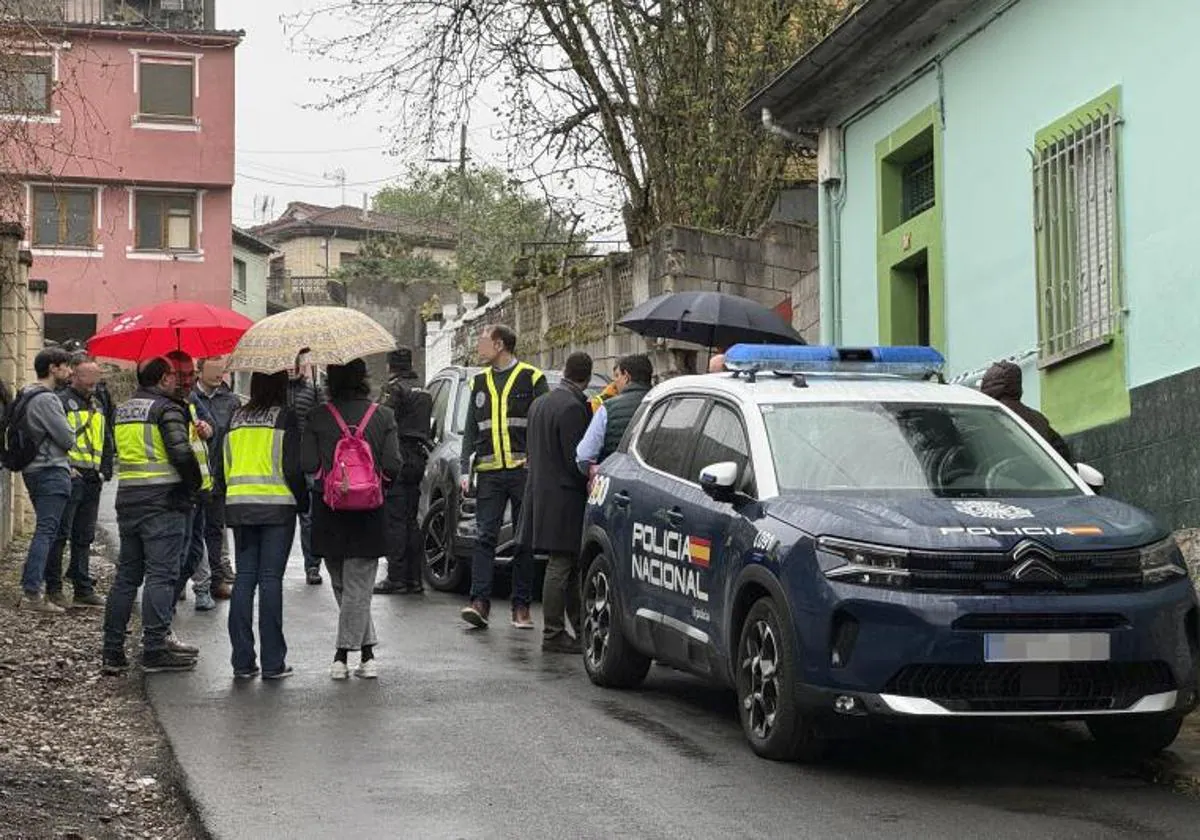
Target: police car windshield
[{"x": 937, "y": 449}]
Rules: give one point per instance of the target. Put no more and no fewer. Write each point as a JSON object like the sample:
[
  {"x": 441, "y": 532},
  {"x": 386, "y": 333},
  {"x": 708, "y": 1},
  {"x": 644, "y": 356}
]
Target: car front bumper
[{"x": 921, "y": 656}]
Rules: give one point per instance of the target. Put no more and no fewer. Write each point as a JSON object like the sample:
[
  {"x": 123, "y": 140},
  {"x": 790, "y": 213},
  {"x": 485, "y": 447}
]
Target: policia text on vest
[{"x": 152, "y": 470}]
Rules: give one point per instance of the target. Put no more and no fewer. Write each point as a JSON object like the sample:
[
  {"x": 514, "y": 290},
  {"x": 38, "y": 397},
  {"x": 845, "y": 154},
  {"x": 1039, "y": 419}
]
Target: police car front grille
[
  {"x": 1033, "y": 687},
  {"x": 994, "y": 572},
  {"x": 1040, "y": 621}
]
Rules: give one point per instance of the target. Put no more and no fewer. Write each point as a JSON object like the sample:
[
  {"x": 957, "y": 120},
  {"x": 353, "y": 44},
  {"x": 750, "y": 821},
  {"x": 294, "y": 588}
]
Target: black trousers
[{"x": 405, "y": 557}]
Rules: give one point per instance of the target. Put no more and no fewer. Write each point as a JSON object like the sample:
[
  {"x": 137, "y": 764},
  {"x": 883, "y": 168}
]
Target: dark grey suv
[{"x": 447, "y": 519}]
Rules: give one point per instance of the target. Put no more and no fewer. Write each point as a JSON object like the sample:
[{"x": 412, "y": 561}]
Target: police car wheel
[
  {"x": 766, "y": 688},
  {"x": 442, "y": 568},
  {"x": 1135, "y": 736},
  {"x": 608, "y": 657}
]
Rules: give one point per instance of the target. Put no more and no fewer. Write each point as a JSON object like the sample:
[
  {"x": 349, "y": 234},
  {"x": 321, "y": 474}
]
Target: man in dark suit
[{"x": 555, "y": 497}]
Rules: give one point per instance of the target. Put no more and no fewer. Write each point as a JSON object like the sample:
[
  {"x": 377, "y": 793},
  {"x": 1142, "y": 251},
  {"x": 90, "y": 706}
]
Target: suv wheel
[
  {"x": 607, "y": 655},
  {"x": 1135, "y": 736},
  {"x": 766, "y": 688},
  {"x": 442, "y": 567}
]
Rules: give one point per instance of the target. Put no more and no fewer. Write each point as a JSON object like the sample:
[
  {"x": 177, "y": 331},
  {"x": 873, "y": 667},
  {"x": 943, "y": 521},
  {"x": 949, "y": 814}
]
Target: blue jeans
[
  {"x": 78, "y": 527},
  {"x": 494, "y": 491},
  {"x": 50, "y": 491},
  {"x": 193, "y": 549},
  {"x": 261, "y": 553},
  {"x": 151, "y": 545}
]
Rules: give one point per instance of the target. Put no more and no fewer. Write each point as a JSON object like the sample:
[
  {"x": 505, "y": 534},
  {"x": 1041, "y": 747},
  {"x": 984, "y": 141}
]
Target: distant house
[
  {"x": 313, "y": 242},
  {"x": 1011, "y": 178},
  {"x": 251, "y": 264}
]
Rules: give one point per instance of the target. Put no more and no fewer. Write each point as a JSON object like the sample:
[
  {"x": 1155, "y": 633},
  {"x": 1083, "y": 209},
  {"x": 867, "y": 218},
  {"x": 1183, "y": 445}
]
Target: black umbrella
[{"x": 710, "y": 319}]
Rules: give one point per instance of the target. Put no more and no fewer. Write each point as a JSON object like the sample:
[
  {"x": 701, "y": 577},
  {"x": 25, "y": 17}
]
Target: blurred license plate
[{"x": 1045, "y": 647}]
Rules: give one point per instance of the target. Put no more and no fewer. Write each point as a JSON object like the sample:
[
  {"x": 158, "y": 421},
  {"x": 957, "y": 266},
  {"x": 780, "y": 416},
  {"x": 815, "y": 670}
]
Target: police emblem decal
[{"x": 992, "y": 510}]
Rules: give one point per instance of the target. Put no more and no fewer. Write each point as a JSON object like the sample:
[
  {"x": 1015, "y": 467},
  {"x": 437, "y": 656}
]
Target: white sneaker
[
  {"x": 366, "y": 670},
  {"x": 339, "y": 671}
]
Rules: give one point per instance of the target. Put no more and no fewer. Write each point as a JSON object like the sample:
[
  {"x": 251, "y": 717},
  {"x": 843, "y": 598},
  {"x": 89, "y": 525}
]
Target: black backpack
[{"x": 18, "y": 447}]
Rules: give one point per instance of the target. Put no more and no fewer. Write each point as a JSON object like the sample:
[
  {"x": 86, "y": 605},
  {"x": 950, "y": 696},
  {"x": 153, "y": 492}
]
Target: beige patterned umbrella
[{"x": 330, "y": 335}]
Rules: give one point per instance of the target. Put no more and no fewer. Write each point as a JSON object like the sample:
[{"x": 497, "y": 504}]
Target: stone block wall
[{"x": 554, "y": 319}]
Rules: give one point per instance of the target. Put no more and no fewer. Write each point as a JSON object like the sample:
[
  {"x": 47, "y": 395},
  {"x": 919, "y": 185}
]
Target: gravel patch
[{"x": 81, "y": 754}]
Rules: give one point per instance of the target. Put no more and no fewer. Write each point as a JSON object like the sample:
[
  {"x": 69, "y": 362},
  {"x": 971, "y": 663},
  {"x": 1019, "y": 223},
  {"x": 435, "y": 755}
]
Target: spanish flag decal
[
  {"x": 1084, "y": 530},
  {"x": 700, "y": 551}
]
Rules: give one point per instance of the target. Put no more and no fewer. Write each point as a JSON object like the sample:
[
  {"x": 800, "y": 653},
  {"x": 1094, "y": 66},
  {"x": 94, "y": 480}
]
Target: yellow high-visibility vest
[
  {"x": 200, "y": 448},
  {"x": 141, "y": 451},
  {"x": 254, "y": 459},
  {"x": 502, "y": 425},
  {"x": 87, "y": 422}
]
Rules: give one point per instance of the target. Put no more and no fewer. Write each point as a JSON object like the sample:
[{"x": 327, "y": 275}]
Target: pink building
[{"x": 120, "y": 147}]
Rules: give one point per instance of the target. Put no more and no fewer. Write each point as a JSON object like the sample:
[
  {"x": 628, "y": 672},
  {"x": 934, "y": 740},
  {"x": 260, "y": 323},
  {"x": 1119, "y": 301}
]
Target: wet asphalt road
[{"x": 478, "y": 735}]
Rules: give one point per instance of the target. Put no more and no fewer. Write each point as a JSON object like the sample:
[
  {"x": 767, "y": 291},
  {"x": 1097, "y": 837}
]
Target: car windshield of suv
[{"x": 928, "y": 449}]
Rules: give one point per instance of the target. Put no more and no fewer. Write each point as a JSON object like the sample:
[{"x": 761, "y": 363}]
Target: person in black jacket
[
  {"x": 351, "y": 542},
  {"x": 413, "y": 408},
  {"x": 1002, "y": 382},
  {"x": 555, "y": 497},
  {"x": 158, "y": 483},
  {"x": 303, "y": 397}
]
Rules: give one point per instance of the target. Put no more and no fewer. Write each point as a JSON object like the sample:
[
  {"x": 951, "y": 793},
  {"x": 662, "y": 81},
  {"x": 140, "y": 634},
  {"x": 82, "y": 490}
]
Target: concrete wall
[
  {"x": 397, "y": 307},
  {"x": 553, "y": 319},
  {"x": 21, "y": 337}
]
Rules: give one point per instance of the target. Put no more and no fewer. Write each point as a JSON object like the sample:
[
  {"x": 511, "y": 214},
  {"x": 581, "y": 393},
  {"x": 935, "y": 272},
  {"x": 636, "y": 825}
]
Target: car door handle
[
  {"x": 621, "y": 499},
  {"x": 673, "y": 516}
]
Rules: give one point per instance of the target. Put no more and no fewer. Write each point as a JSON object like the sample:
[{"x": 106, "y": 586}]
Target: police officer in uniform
[
  {"x": 494, "y": 440},
  {"x": 158, "y": 481},
  {"x": 264, "y": 483},
  {"x": 91, "y": 460},
  {"x": 413, "y": 407}
]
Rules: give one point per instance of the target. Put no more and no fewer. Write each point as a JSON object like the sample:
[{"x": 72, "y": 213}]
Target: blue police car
[{"x": 840, "y": 537}]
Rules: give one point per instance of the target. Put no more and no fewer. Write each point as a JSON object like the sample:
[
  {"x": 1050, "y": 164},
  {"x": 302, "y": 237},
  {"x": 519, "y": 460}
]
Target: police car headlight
[
  {"x": 1162, "y": 562},
  {"x": 849, "y": 561}
]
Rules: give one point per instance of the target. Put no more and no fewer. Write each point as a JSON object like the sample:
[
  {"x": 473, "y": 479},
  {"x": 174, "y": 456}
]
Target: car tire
[
  {"x": 765, "y": 678},
  {"x": 443, "y": 569},
  {"x": 609, "y": 658},
  {"x": 1135, "y": 736}
]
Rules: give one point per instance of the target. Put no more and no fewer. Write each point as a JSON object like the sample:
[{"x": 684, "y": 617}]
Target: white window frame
[
  {"x": 80, "y": 253},
  {"x": 240, "y": 292},
  {"x": 196, "y": 255},
  {"x": 54, "y": 117},
  {"x": 146, "y": 122}
]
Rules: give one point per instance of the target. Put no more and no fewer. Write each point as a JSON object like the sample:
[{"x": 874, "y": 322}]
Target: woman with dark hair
[
  {"x": 264, "y": 482},
  {"x": 351, "y": 541}
]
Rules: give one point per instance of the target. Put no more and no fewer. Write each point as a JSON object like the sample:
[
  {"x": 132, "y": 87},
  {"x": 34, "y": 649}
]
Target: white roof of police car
[{"x": 773, "y": 389}]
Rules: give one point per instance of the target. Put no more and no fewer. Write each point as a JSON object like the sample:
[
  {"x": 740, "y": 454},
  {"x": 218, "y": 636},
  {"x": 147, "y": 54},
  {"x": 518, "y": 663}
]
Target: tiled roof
[{"x": 301, "y": 218}]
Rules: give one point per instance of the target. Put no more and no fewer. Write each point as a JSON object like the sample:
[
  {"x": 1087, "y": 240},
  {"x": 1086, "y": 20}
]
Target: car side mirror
[
  {"x": 718, "y": 480},
  {"x": 1091, "y": 476}
]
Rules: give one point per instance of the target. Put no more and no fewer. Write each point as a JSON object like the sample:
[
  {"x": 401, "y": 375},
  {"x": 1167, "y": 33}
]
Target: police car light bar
[{"x": 787, "y": 358}]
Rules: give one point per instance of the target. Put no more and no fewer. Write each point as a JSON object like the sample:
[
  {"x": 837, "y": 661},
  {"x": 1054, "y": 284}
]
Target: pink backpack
[{"x": 353, "y": 483}]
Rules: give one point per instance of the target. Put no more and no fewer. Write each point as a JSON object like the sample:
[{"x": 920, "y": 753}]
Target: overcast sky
[
  {"x": 286, "y": 151},
  {"x": 289, "y": 152}
]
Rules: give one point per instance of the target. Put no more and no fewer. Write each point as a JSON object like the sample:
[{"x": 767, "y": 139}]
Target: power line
[
  {"x": 336, "y": 186},
  {"x": 310, "y": 151}
]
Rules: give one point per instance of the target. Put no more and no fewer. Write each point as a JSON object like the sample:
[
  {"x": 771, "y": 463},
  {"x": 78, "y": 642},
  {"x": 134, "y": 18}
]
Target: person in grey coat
[
  {"x": 555, "y": 497},
  {"x": 350, "y": 541}
]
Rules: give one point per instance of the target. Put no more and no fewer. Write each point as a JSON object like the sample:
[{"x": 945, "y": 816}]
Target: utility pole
[{"x": 463, "y": 155}]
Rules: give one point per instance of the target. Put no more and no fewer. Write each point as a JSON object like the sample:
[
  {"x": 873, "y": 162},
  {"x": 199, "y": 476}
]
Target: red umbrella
[{"x": 197, "y": 329}]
